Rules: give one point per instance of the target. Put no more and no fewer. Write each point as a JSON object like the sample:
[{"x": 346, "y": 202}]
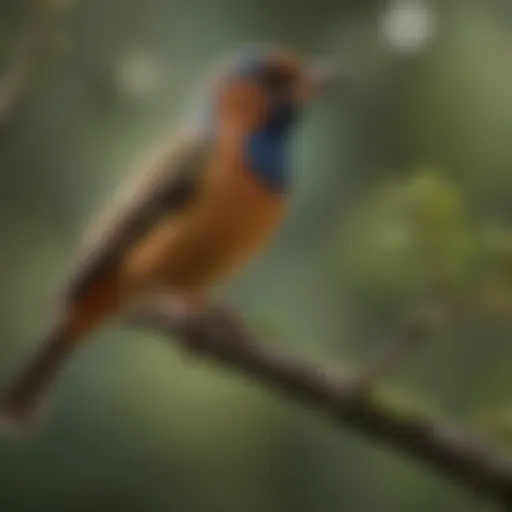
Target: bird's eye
[{"x": 276, "y": 80}]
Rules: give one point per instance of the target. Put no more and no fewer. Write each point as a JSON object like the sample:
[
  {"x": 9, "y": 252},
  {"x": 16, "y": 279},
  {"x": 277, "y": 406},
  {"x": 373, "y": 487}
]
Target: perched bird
[{"x": 192, "y": 218}]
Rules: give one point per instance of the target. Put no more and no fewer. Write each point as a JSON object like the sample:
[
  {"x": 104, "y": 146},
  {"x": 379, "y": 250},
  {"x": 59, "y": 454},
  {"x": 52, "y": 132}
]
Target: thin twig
[
  {"x": 411, "y": 335},
  {"x": 444, "y": 307}
]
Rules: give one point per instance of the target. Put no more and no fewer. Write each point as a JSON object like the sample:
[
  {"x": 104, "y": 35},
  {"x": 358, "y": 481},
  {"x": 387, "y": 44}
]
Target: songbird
[{"x": 193, "y": 217}]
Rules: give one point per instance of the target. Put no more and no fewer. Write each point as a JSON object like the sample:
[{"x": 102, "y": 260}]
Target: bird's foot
[
  {"x": 196, "y": 321},
  {"x": 214, "y": 324},
  {"x": 226, "y": 321}
]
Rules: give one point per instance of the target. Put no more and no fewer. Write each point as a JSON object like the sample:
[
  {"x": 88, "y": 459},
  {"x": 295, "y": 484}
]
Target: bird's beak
[{"x": 323, "y": 76}]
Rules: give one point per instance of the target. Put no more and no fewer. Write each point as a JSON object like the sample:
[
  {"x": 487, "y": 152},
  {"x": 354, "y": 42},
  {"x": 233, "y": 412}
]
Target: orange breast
[{"x": 232, "y": 219}]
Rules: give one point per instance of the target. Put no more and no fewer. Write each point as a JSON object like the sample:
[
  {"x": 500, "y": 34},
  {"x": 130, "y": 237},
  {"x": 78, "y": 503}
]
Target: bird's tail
[{"x": 29, "y": 388}]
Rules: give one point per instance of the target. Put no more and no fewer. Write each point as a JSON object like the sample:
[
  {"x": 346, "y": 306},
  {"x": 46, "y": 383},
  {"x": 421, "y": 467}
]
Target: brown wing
[{"x": 168, "y": 185}]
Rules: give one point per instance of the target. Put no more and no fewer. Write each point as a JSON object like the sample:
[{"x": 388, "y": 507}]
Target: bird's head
[{"x": 269, "y": 87}]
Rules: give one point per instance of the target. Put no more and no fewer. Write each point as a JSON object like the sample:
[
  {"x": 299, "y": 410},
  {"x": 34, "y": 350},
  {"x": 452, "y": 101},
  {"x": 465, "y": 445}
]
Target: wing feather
[{"x": 168, "y": 185}]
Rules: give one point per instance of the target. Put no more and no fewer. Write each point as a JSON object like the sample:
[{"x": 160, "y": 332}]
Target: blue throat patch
[{"x": 266, "y": 148}]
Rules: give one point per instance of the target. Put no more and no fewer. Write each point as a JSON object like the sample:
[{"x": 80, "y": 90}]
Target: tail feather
[
  {"x": 23, "y": 399},
  {"x": 30, "y": 387}
]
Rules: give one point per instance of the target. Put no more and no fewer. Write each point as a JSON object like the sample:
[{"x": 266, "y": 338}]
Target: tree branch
[{"x": 439, "y": 444}]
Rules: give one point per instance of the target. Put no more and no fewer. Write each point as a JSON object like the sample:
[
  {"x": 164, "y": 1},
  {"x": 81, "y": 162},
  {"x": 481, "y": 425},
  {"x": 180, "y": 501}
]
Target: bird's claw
[{"x": 214, "y": 324}]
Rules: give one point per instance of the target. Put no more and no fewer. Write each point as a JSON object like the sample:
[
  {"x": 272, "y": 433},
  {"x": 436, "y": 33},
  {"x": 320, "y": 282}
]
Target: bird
[{"x": 192, "y": 218}]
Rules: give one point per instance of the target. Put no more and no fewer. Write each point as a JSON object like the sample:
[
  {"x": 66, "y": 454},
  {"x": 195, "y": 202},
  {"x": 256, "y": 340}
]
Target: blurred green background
[{"x": 404, "y": 173}]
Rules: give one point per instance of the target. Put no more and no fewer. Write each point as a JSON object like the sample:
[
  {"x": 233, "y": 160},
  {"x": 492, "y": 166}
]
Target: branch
[{"x": 441, "y": 445}]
